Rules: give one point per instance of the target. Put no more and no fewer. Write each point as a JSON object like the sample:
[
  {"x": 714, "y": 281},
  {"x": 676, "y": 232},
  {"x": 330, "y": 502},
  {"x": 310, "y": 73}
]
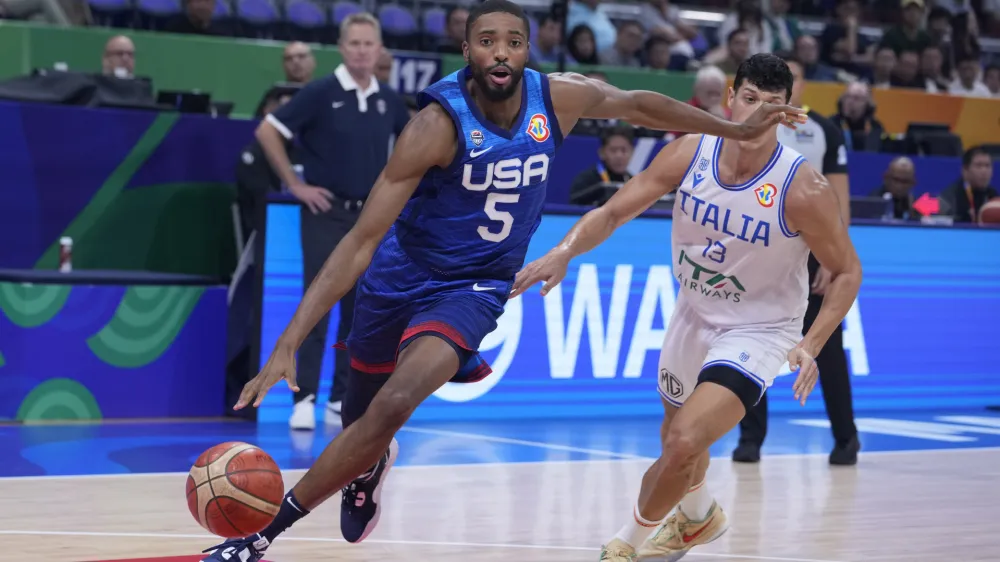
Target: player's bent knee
[
  {"x": 681, "y": 449},
  {"x": 744, "y": 385},
  {"x": 390, "y": 410}
]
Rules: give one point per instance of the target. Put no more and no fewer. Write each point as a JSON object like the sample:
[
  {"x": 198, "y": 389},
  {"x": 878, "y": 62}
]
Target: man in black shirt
[
  {"x": 963, "y": 199},
  {"x": 344, "y": 125}
]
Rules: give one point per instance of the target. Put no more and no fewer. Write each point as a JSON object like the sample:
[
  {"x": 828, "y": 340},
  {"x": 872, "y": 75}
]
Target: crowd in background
[{"x": 931, "y": 45}]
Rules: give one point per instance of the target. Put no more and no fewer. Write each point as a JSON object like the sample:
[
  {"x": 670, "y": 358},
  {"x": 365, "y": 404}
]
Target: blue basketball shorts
[{"x": 399, "y": 300}]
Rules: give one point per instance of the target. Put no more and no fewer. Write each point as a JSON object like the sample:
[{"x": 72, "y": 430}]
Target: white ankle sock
[
  {"x": 697, "y": 502},
  {"x": 637, "y": 530}
]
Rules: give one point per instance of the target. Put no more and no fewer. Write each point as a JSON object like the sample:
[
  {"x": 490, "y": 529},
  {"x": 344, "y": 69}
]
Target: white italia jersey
[{"x": 736, "y": 260}]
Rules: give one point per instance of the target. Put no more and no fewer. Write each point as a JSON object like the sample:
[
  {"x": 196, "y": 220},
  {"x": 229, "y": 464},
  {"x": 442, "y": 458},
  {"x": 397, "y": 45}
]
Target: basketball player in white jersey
[{"x": 746, "y": 216}]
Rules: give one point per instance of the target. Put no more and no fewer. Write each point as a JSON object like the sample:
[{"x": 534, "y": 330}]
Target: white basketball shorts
[{"x": 691, "y": 345}]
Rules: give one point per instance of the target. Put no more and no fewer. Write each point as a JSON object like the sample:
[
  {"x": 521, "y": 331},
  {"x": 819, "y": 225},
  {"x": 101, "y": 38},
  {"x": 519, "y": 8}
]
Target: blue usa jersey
[{"x": 476, "y": 217}]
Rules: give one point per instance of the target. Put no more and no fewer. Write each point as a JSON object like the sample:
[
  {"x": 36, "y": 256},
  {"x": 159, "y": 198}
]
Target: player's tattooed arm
[
  {"x": 576, "y": 96},
  {"x": 812, "y": 209},
  {"x": 428, "y": 141},
  {"x": 662, "y": 176}
]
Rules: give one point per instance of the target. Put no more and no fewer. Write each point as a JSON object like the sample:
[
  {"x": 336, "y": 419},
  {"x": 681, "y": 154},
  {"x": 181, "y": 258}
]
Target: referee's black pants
[
  {"x": 320, "y": 235},
  {"x": 834, "y": 379}
]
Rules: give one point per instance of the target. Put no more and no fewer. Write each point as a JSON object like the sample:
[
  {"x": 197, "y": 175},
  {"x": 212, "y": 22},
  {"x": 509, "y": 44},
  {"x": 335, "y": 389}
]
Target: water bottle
[{"x": 890, "y": 207}]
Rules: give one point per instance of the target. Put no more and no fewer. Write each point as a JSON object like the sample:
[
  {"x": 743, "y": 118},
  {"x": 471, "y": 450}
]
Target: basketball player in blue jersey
[
  {"x": 435, "y": 251},
  {"x": 746, "y": 216}
]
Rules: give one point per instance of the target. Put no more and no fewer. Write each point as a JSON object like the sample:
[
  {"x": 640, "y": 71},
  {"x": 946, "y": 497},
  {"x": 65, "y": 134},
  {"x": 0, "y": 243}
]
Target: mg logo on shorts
[{"x": 674, "y": 387}]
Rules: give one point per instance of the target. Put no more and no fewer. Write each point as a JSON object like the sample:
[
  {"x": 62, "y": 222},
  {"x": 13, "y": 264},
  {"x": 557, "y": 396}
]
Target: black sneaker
[
  {"x": 361, "y": 504},
  {"x": 249, "y": 549},
  {"x": 846, "y": 454},
  {"x": 746, "y": 452}
]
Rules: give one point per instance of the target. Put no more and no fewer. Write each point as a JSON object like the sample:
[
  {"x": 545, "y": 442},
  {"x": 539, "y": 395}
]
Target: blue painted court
[{"x": 122, "y": 447}]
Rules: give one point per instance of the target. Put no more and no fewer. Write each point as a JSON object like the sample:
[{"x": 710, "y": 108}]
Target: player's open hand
[
  {"x": 800, "y": 360},
  {"x": 767, "y": 115},
  {"x": 281, "y": 365},
  {"x": 550, "y": 268}
]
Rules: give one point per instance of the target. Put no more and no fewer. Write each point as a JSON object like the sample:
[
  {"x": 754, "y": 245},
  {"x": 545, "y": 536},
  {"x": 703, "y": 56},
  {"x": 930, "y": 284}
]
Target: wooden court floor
[{"x": 908, "y": 506}]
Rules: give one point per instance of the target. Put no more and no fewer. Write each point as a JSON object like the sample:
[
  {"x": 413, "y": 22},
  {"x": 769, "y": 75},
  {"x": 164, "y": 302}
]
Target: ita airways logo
[
  {"x": 538, "y": 127},
  {"x": 766, "y": 194}
]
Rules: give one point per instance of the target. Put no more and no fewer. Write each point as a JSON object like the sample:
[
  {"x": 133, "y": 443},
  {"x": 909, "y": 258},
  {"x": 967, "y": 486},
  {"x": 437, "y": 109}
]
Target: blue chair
[
  {"x": 154, "y": 14},
  {"x": 224, "y": 17},
  {"x": 340, "y": 12},
  {"x": 433, "y": 27},
  {"x": 307, "y": 21},
  {"x": 258, "y": 18},
  {"x": 399, "y": 27},
  {"x": 112, "y": 13}
]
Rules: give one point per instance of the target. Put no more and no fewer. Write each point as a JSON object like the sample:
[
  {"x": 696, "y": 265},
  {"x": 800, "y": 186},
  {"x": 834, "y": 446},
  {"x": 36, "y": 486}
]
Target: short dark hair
[
  {"x": 767, "y": 72},
  {"x": 494, "y": 7},
  {"x": 971, "y": 154},
  {"x": 626, "y": 131}
]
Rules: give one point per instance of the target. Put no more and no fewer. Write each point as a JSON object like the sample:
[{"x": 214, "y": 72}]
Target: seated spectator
[
  {"x": 909, "y": 34},
  {"x": 991, "y": 78},
  {"x": 882, "y": 67},
  {"x": 582, "y": 46},
  {"x": 939, "y": 30},
  {"x": 455, "y": 19},
  {"x": 546, "y": 45},
  {"x": 786, "y": 30},
  {"x": 931, "y": 63},
  {"x": 897, "y": 182},
  {"x": 807, "y": 51},
  {"x": 657, "y": 53},
  {"x": 963, "y": 199},
  {"x": 967, "y": 82},
  {"x": 663, "y": 19},
  {"x": 749, "y": 17},
  {"x": 596, "y": 185},
  {"x": 841, "y": 43},
  {"x": 299, "y": 63},
  {"x": 736, "y": 50},
  {"x": 856, "y": 117},
  {"x": 708, "y": 94},
  {"x": 119, "y": 57},
  {"x": 196, "y": 19},
  {"x": 906, "y": 73},
  {"x": 625, "y": 51},
  {"x": 588, "y": 13}
]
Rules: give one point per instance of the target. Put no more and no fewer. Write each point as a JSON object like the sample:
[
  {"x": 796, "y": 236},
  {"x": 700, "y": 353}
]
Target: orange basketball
[
  {"x": 234, "y": 489},
  {"x": 990, "y": 212}
]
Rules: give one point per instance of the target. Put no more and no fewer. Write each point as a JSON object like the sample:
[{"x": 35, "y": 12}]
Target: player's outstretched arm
[
  {"x": 578, "y": 96},
  {"x": 638, "y": 194},
  {"x": 812, "y": 208},
  {"x": 427, "y": 141}
]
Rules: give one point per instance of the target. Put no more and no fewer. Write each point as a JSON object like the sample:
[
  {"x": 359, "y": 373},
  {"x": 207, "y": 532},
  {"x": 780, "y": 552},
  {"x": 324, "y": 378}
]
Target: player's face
[
  {"x": 496, "y": 50},
  {"x": 748, "y": 98}
]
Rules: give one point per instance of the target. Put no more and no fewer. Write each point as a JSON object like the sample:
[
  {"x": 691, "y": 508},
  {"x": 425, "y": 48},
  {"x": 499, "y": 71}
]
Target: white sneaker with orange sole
[{"x": 679, "y": 534}]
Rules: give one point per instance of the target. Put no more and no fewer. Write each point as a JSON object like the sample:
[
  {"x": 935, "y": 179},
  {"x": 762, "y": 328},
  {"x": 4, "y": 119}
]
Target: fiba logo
[{"x": 506, "y": 337}]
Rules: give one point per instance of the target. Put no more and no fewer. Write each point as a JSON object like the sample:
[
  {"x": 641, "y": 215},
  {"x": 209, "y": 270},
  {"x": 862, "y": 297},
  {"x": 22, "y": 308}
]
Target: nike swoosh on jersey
[
  {"x": 474, "y": 153},
  {"x": 338, "y": 104},
  {"x": 477, "y": 287}
]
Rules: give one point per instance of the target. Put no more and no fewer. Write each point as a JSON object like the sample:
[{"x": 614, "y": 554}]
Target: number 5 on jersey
[{"x": 505, "y": 175}]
